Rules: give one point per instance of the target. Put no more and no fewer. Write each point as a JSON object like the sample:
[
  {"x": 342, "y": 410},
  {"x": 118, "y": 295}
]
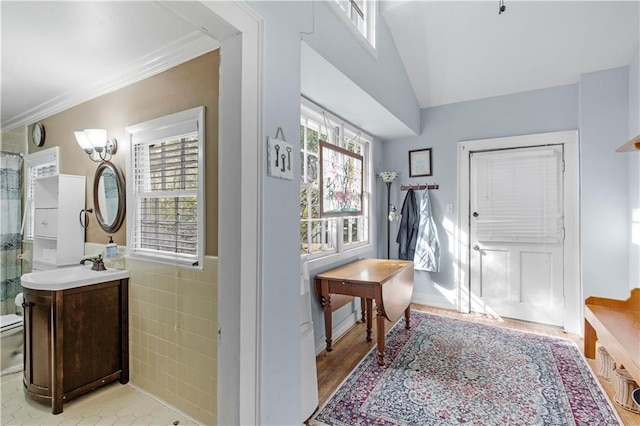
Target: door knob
[
  {"x": 476, "y": 247},
  {"x": 475, "y": 214}
]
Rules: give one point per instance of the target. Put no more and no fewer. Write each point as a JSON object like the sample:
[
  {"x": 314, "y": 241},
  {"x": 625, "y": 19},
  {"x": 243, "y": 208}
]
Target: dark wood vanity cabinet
[{"x": 76, "y": 340}]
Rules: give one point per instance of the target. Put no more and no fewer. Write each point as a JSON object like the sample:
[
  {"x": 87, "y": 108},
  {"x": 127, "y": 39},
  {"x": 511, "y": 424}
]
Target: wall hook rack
[{"x": 419, "y": 187}]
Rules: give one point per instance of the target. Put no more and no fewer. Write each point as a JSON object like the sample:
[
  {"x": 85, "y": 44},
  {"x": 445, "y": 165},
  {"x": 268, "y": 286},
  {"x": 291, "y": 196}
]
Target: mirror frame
[{"x": 117, "y": 221}]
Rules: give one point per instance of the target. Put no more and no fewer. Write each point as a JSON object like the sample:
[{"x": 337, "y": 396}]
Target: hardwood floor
[{"x": 349, "y": 349}]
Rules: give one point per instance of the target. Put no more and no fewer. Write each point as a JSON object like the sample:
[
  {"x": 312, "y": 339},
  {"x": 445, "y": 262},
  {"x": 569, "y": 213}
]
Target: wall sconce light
[{"x": 91, "y": 140}]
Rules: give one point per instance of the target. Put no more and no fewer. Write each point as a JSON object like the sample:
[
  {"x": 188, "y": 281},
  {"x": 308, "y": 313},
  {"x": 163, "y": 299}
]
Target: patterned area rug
[{"x": 451, "y": 372}]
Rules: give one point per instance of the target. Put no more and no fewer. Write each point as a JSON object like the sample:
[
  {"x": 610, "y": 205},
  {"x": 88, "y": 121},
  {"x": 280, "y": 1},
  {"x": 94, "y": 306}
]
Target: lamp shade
[
  {"x": 97, "y": 137},
  {"x": 82, "y": 140},
  {"x": 389, "y": 176}
]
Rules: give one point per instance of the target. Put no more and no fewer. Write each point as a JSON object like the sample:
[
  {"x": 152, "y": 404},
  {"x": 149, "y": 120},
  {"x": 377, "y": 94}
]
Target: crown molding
[{"x": 175, "y": 53}]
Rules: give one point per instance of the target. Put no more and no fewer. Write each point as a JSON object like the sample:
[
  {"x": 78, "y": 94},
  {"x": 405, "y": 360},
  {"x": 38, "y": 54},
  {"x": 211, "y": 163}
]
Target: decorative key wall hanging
[{"x": 280, "y": 157}]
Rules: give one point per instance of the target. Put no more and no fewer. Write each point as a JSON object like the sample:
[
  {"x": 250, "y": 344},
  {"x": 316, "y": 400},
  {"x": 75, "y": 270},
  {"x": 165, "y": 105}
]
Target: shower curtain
[{"x": 10, "y": 229}]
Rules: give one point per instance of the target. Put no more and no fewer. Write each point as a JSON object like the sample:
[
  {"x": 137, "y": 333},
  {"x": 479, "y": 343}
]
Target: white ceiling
[
  {"x": 58, "y": 54},
  {"x": 457, "y": 51}
]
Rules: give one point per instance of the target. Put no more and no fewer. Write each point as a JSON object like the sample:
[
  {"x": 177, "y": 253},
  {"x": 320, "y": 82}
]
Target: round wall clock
[{"x": 37, "y": 134}]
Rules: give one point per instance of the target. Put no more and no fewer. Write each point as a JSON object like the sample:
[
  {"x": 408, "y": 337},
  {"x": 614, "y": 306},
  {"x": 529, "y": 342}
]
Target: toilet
[{"x": 11, "y": 343}]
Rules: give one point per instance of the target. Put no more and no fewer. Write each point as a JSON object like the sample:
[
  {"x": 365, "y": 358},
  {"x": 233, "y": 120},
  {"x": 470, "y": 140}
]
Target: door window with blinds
[
  {"x": 519, "y": 195},
  {"x": 321, "y": 235},
  {"x": 39, "y": 164},
  {"x": 166, "y": 188}
]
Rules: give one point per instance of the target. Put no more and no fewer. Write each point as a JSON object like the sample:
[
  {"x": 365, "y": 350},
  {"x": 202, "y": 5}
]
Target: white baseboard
[
  {"x": 433, "y": 300},
  {"x": 338, "y": 331}
]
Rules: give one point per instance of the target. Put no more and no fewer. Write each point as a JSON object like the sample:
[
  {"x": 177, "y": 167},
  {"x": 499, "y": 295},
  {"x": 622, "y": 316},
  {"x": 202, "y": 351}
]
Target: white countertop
[{"x": 66, "y": 278}]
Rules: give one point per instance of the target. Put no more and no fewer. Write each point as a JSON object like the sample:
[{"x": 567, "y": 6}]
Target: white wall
[
  {"x": 538, "y": 111},
  {"x": 604, "y": 183}
]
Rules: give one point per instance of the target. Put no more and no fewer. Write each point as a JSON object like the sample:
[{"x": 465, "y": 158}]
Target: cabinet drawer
[{"x": 46, "y": 223}]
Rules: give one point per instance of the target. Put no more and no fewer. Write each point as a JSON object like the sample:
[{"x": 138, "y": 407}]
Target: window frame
[
  {"x": 342, "y": 250},
  {"x": 368, "y": 40},
  {"x": 162, "y": 128}
]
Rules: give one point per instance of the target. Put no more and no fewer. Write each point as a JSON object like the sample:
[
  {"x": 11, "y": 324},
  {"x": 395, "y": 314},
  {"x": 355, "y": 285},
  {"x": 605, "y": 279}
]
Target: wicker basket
[
  {"x": 605, "y": 364},
  {"x": 624, "y": 387}
]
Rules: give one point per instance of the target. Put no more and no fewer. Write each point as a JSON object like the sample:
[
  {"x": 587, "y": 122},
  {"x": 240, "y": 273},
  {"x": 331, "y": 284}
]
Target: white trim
[
  {"x": 331, "y": 259},
  {"x": 313, "y": 111},
  {"x": 245, "y": 270},
  {"x": 338, "y": 330},
  {"x": 572, "y": 279},
  {"x": 175, "y": 53},
  {"x": 433, "y": 300},
  {"x": 168, "y": 126},
  {"x": 369, "y": 45}
]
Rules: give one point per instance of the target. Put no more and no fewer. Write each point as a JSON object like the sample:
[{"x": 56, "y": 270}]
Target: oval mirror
[{"x": 108, "y": 196}]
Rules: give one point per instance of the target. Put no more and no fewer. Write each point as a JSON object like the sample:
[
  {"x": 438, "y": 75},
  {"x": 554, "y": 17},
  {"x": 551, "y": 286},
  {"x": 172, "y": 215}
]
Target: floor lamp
[{"x": 392, "y": 214}]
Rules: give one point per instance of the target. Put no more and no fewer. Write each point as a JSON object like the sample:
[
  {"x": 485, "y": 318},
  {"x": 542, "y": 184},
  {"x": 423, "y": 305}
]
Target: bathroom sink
[{"x": 65, "y": 278}]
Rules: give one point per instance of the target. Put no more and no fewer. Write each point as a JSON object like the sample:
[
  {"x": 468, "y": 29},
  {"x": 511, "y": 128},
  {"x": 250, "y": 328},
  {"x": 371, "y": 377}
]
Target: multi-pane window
[
  {"x": 40, "y": 164},
  {"x": 362, "y": 14},
  {"x": 167, "y": 189},
  {"x": 325, "y": 235}
]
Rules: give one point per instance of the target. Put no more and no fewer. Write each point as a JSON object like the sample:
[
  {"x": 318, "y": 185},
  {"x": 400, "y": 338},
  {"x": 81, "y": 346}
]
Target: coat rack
[{"x": 419, "y": 187}]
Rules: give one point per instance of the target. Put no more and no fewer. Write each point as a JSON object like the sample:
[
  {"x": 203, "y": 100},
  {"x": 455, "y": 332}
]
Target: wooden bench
[{"x": 616, "y": 325}]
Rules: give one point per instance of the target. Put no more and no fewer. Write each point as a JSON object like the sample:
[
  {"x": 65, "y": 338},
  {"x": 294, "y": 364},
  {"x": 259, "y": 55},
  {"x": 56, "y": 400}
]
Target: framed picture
[
  {"x": 341, "y": 181},
  {"x": 420, "y": 162}
]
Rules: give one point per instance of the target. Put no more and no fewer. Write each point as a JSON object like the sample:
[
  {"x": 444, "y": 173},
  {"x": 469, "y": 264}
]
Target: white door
[{"x": 517, "y": 233}]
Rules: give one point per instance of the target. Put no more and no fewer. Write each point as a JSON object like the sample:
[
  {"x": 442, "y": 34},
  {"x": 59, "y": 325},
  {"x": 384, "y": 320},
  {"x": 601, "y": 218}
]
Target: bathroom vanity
[{"x": 76, "y": 332}]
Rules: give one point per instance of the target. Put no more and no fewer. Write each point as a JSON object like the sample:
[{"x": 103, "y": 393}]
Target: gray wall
[
  {"x": 283, "y": 24},
  {"x": 384, "y": 77},
  {"x": 604, "y": 182},
  {"x": 538, "y": 111}
]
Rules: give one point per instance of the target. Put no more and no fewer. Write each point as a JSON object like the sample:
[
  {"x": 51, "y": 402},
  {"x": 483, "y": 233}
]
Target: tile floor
[{"x": 114, "y": 404}]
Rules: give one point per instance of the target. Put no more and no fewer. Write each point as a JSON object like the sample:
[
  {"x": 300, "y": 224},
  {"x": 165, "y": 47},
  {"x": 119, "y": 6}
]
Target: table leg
[
  {"x": 407, "y": 318},
  {"x": 362, "y": 308},
  {"x": 589, "y": 340},
  {"x": 369, "y": 318},
  {"x": 326, "y": 304},
  {"x": 380, "y": 333}
]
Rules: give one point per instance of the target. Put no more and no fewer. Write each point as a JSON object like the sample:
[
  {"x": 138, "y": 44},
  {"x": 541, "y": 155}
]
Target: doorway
[{"x": 518, "y": 228}]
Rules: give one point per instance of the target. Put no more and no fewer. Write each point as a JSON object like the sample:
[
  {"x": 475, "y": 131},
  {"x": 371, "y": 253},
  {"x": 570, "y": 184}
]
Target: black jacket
[{"x": 408, "y": 232}]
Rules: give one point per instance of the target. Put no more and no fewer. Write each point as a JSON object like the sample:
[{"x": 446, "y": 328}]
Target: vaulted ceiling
[{"x": 457, "y": 51}]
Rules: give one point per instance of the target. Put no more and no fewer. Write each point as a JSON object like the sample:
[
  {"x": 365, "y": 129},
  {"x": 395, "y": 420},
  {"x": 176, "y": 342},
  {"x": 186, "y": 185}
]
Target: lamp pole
[{"x": 387, "y": 218}]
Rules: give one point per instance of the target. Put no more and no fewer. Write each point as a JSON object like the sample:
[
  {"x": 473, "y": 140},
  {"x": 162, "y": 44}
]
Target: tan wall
[{"x": 189, "y": 85}]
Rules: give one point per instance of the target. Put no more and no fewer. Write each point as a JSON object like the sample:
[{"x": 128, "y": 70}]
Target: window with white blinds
[
  {"x": 518, "y": 196},
  {"x": 167, "y": 188},
  {"x": 39, "y": 164}
]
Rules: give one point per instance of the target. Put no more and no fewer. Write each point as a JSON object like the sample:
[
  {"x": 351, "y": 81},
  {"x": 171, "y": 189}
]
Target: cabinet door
[
  {"x": 46, "y": 223},
  {"x": 37, "y": 342}
]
